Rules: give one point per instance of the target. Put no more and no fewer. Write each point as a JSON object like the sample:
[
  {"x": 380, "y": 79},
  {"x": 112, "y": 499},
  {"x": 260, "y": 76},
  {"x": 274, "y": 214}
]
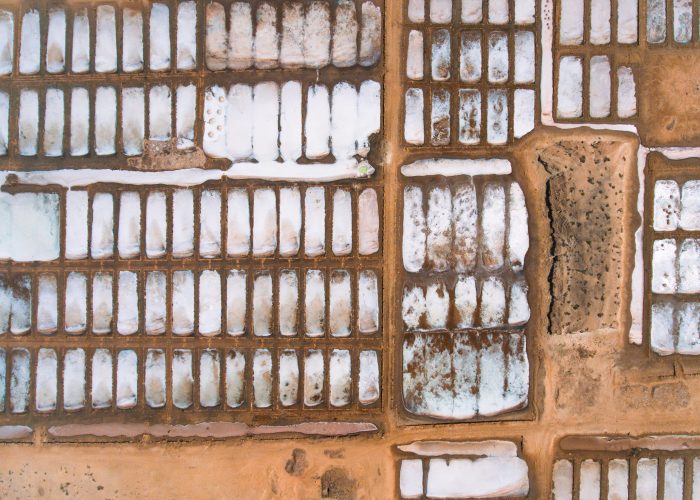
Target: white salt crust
[
  {"x": 79, "y": 122},
  {"x": 183, "y": 303},
  {"x": 101, "y": 303},
  {"x": 314, "y": 303},
  {"x": 30, "y": 39},
  {"x": 127, "y": 379},
  {"x": 80, "y": 61},
  {"x": 7, "y": 29},
  {"x": 209, "y": 373},
  {"x": 340, "y": 304},
  {"x": 155, "y": 303},
  {"x": 262, "y": 306},
  {"x": 209, "y": 303},
  {"x": 186, "y": 35},
  {"x": 599, "y": 106},
  {"x": 236, "y": 303},
  {"x": 75, "y": 312},
  {"x": 235, "y": 379},
  {"x": 53, "y": 122},
  {"x": 159, "y": 110},
  {"x": 342, "y": 222},
  {"x": 183, "y": 380},
  {"x": 600, "y": 22},
  {"x": 414, "y": 55},
  {"x": 56, "y": 41},
  {"x": 288, "y": 302},
  {"x": 74, "y": 379},
  {"x": 262, "y": 378},
  {"x": 626, "y": 93},
  {"x": 590, "y": 479},
  {"x": 129, "y": 232},
  {"x": 647, "y": 472},
  {"x": 132, "y": 40},
  {"x": 159, "y": 41},
  {"x": 570, "y": 91},
  {"x": 288, "y": 377},
  {"x": 477, "y": 478},
  {"x": 156, "y": 225},
  {"x": 101, "y": 386},
  {"x": 28, "y": 123},
  {"x": 571, "y": 22},
  {"x": 154, "y": 378},
  {"x": 106, "y": 40},
  {"x": 313, "y": 377},
  {"x": 47, "y": 308},
  {"x": 340, "y": 377},
  {"x": 46, "y": 380},
  {"x": 369, "y": 384},
  {"x": 413, "y": 120},
  {"x": 128, "y": 303}
]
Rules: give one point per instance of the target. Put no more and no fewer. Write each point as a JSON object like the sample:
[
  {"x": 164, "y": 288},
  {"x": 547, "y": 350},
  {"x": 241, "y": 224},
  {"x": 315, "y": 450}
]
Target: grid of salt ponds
[
  {"x": 675, "y": 267},
  {"x": 242, "y": 121},
  {"x": 159, "y": 113},
  {"x": 464, "y": 375},
  {"x": 464, "y": 245},
  {"x": 73, "y": 379},
  {"x": 237, "y": 222},
  {"x": 261, "y": 122},
  {"x": 164, "y": 37},
  {"x": 595, "y": 88},
  {"x": 666, "y": 20},
  {"x": 286, "y": 302},
  {"x": 459, "y": 92},
  {"x": 646, "y": 475}
]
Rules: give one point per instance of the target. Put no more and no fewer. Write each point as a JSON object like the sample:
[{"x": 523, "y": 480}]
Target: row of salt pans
[
  {"x": 306, "y": 37},
  {"x": 265, "y": 122},
  {"x": 98, "y": 390},
  {"x": 104, "y": 105},
  {"x": 472, "y": 11},
  {"x": 287, "y": 303}
]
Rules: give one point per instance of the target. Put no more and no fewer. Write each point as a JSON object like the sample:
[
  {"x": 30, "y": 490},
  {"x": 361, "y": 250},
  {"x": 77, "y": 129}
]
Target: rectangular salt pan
[
  {"x": 183, "y": 223},
  {"x": 183, "y": 380},
  {"x": 599, "y": 106},
  {"x": 106, "y": 40},
  {"x": 75, "y": 312},
  {"x": 290, "y": 221},
  {"x": 236, "y": 303},
  {"x": 79, "y": 122},
  {"x": 315, "y": 217},
  {"x": 128, "y": 303},
  {"x": 47, "y": 309},
  {"x": 209, "y": 303},
  {"x": 186, "y": 35},
  {"x": 262, "y": 378},
  {"x": 7, "y": 28},
  {"x": 414, "y": 55},
  {"x": 235, "y": 379},
  {"x": 183, "y": 302},
  {"x": 570, "y": 88},
  {"x": 80, "y": 62},
  {"x": 210, "y": 224},
  {"x": 288, "y": 302},
  {"x": 74, "y": 379},
  {"x": 56, "y": 41},
  {"x": 101, "y": 386},
  {"x": 155, "y": 303},
  {"x": 129, "y": 233},
  {"x": 101, "y": 303},
  {"x": 46, "y": 380},
  {"x": 29, "y": 48},
  {"x": 600, "y": 22},
  {"x": 288, "y": 378},
  {"x": 209, "y": 378},
  {"x": 132, "y": 40},
  {"x": 413, "y": 120},
  {"x": 105, "y": 120},
  {"x": 262, "y": 305},
  {"x": 656, "y": 21},
  {"x": 28, "y": 123},
  {"x": 314, "y": 319},
  {"x": 571, "y": 22},
  {"x": 53, "y": 122},
  {"x": 340, "y": 303},
  {"x": 156, "y": 224},
  {"x": 159, "y": 57},
  {"x": 154, "y": 378}
]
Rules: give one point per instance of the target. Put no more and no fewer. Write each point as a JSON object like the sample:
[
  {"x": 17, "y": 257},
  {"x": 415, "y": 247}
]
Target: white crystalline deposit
[
  {"x": 127, "y": 379},
  {"x": 209, "y": 376},
  {"x": 440, "y": 11},
  {"x": 74, "y": 379},
  {"x": 209, "y": 303},
  {"x": 290, "y": 121},
  {"x": 472, "y": 11},
  {"x": 318, "y": 124},
  {"x": 128, "y": 303},
  {"x": 262, "y": 305},
  {"x": 647, "y": 476},
  {"x": 20, "y": 380},
  {"x": 439, "y": 224},
  {"x": 493, "y": 302},
  {"x": 369, "y": 114},
  {"x": 265, "y": 121},
  {"x": 440, "y": 55},
  {"x": 483, "y": 477},
  {"x": 7, "y": 39},
  {"x": 80, "y": 62},
  {"x": 76, "y": 224},
  {"x": 266, "y": 46},
  {"x": 498, "y": 11},
  {"x": 47, "y": 308},
  {"x": 106, "y": 40},
  {"x": 155, "y": 303},
  {"x": 56, "y": 41},
  {"x": 262, "y": 378},
  {"x": 183, "y": 223},
  {"x": 673, "y": 474},
  {"x": 101, "y": 303},
  {"x": 493, "y": 226},
  {"x": 368, "y": 222},
  {"x": 185, "y": 106},
  {"x": 315, "y": 217},
  {"x": 344, "y": 121},
  {"x": 31, "y": 226},
  {"x": 627, "y": 12},
  {"x": 570, "y": 89},
  {"x": 656, "y": 21},
  {"x": 465, "y": 301},
  {"x": 590, "y": 479},
  {"x": 416, "y": 10},
  {"x": 345, "y": 28},
  {"x": 183, "y": 380},
  {"x": 440, "y": 118},
  {"x": 340, "y": 377},
  {"x": 105, "y": 120},
  {"x": 524, "y": 113},
  {"x": 690, "y": 206},
  {"x": 618, "y": 476},
  {"x": 240, "y": 37},
  {"x": 524, "y": 11},
  {"x": 216, "y": 42},
  {"x": 370, "y": 34},
  {"x": 313, "y": 377},
  {"x": 689, "y": 266},
  {"x": 79, "y": 121},
  {"x": 132, "y": 40},
  {"x": 600, "y": 22},
  {"x": 497, "y": 117},
  {"x": 600, "y": 85},
  {"x": 4, "y": 122},
  {"x": 159, "y": 41},
  {"x": 314, "y": 303},
  {"x": 289, "y": 221},
  {"x": 53, "y": 122},
  {"x": 340, "y": 304},
  {"x": 498, "y": 57},
  {"x": 342, "y": 222},
  {"x": 236, "y": 303},
  {"x": 235, "y": 379},
  {"x": 414, "y": 229},
  {"x": 133, "y": 120},
  {"x": 469, "y": 116},
  {"x": 667, "y": 200},
  {"x": 437, "y": 305},
  {"x": 626, "y": 93},
  {"x": 317, "y": 35},
  {"x": 368, "y": 303},
  {"x": 288, "y": 377},
  {"x": 464, "y": 214},
  {"x": 46, "y": 380},
  {"x": 524, "y": 57},
  {"x": 288, "y": 302},
  {"x": 101, "y": 386},
  {"x": 369, "y": 385},
  {"x": 129, "y": 233},
  {"x": 29, "y": 48},
  {"x": 663, "y": 266},
  {"x": 414, "y": 55},
  {"x": 28, "y": 124},
  {"x": 411, "y": 477},
  {"x": 183, "y": 302},
  {"x": 210, "y": 224},
  {"x": 662, "y": 331},
  {"x": 571, "y": 22},
  {"x": 156, "y": 224},
  {"x": 264, "y": 222},
  {"x": 292, "y": 44},
  {"x": 75, "y": 312},
  {"x": 186, "y": 35},
  {"x": 518, "y": 234},
  {"x": 238, "y": 230},
  {"x": 159, "y": 119},
  {"x": 154, "y": 378}
]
